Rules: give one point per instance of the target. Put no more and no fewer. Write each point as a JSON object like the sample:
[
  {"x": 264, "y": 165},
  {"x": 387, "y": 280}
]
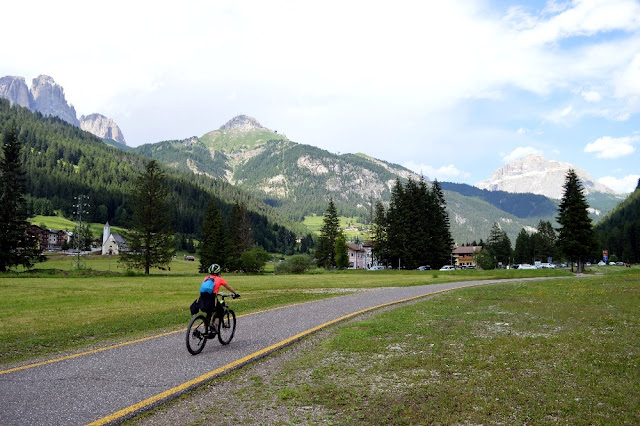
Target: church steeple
[{"x": 106, "y": 232}]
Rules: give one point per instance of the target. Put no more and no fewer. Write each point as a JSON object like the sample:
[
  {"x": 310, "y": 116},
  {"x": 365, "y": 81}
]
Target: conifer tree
[
  {"x": 16, "y": 246},
  {"x": 523, "y": 249},
  {"x": 341, "y": 251},
  {"x": 442, "y": 241},
  {"x": 379, "y": 235},
  {"x": 499, "y": 245},
  {"x": 150, "y": 238},
  {"x": 213, "y": 239},
  {"x": 576, "y": 236},
  {"x": 325, "y": 253},
  {"x": 240, "y": 237}
]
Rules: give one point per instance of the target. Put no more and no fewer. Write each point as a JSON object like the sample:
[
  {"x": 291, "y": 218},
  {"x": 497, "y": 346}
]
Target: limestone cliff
[
  {"x": 102, "y": 127},
  {"x": 16, "y": 91},
  {"x": 49, "y": 99}
]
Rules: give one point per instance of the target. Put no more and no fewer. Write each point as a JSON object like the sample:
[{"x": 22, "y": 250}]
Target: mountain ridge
[{"x": 47, "y": 97}]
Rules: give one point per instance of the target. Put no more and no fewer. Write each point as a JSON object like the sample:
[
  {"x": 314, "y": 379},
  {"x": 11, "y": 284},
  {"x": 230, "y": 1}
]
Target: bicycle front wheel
[
  {"x": 227, "y": 327},
  {"x": 196, "y": 331}
]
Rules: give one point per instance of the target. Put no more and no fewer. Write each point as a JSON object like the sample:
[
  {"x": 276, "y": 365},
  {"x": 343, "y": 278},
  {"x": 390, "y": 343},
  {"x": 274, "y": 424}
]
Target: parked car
[
  {"x": 424, "y": 268},
  {"x": 526, "y": 266},
  {"x": 376, "y": 268},
  {"x": 602, "y": 263},
  {"x": 448, "y": 268}
]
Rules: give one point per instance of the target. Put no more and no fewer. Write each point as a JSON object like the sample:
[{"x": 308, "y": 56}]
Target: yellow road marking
[
  {"x": 212, "y": 374},
  {"x": 64, "y": 358}
]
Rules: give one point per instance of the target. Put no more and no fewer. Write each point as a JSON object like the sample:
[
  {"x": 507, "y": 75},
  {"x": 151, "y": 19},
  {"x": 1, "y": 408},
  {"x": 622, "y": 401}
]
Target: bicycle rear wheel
[
  {"x": 227, "y": 327},
  {"x": 196, "y": 331}
]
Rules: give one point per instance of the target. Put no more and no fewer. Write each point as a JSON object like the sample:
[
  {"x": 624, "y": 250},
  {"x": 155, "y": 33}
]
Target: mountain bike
[{"x": 199, "y": 330}]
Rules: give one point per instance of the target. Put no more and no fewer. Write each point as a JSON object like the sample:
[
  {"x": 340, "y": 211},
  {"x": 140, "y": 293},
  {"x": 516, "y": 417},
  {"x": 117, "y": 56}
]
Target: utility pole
[{"x": 80, "y": 207}]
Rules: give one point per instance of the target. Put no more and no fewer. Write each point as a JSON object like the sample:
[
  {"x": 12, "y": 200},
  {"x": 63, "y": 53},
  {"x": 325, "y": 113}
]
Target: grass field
[
  {"x": 58, "y": 223},
  {"x": 550, "y": 352},
  {"x": 314, "y": 224},
  {"x": 50, "y": 313}
]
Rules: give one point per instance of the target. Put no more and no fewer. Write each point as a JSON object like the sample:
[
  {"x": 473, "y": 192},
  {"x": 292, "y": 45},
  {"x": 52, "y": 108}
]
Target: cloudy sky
[{"x": 452, "y": 89}]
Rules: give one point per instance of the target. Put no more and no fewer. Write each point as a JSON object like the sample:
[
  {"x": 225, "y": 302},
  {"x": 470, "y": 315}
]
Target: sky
[{"x": 450, "y": 89}]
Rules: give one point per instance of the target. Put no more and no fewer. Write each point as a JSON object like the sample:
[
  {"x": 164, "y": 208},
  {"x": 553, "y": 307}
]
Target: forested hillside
[
  {"x": 61, "y": 162},
  {"x": 619, "y": 231},
  {"x": 519, "y": 205}
]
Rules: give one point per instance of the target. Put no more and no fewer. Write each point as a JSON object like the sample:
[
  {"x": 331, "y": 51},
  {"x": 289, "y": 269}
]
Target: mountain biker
[{"x": 208, "y": 291}]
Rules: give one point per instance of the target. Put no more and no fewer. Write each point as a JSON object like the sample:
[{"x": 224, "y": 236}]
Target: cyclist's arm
[{"x": 229, "y": 288}]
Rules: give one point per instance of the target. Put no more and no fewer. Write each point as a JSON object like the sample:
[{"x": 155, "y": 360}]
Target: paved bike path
[{"x": 111, "y": 384}]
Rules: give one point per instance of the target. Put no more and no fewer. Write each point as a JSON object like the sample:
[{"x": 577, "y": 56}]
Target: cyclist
[{"x": 208, "y": 291}]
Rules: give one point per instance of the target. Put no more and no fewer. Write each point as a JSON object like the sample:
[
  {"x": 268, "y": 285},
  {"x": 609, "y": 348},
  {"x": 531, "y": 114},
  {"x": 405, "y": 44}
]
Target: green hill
[
  {"x": 619, "y": 231},
  {"x": 62, "y": 161}
]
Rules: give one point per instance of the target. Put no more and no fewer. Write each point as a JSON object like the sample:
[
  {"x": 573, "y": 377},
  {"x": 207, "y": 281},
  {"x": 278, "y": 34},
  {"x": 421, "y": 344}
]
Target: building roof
[{"x": 462, "y": 250}]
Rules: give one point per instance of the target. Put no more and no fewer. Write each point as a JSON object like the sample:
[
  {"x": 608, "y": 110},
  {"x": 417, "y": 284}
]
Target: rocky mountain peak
[
  {"x": 49, "y": 99},
  {"x": 16, "y": 91},
  {"x": 537, "y": 175},
  {"x": 242, "y": 123},
  {"x": 102, "y": 126}
]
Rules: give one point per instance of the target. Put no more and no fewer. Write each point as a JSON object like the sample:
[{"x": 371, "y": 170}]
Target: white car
[
  {"x": 602, "y": 263},
  {"x": 376, "y": 268},
  {"x": 527, "y": 266},
  {"x": 448, "y": 268}
]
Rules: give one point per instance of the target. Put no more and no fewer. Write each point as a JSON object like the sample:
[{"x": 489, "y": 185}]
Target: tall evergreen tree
[
  {"x": 576, "y": 236},
  {"x": 342, "y": 251},
  {"x": 16, "y": 246},
  {"x": 240, "y": 236},
  {"x": 442, "y": 241},
  {"x": 150, "y": 238},
  {"x": 523, "y": 252},
  {"x": 499, "y": 245},
  {"x": 379, "y": 235},
  {"x": 545, "y": 241},
  {"x": 213, "y": 239},
  {"x": 325, "y": 253}
]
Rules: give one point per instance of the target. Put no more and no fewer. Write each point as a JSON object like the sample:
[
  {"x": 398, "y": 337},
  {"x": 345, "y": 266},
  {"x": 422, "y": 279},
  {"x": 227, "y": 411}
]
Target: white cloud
[
  {"x": 621, "y": 185},
  {"x": 591, "y": 96},
  {"x": 519, "y": 152},
  {"x": 611, "y": 148},
  {"x": 445, "y": 173}
]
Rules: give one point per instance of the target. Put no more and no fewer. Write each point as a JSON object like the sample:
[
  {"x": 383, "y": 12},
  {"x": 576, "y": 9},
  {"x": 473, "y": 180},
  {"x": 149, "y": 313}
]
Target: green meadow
[
  {"x": 46, "y": 310},
  {"x": 558, "y": 351}
]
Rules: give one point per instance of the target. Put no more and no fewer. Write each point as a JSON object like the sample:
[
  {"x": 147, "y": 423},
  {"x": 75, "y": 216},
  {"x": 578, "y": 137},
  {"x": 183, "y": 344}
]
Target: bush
[
  {"x": 254, "y": 260},
  {"x": 297, "y": 264}
]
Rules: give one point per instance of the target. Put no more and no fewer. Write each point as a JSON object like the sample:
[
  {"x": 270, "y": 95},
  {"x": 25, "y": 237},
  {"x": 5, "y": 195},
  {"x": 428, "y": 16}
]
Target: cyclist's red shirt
[{"x": 206, "y": 286}]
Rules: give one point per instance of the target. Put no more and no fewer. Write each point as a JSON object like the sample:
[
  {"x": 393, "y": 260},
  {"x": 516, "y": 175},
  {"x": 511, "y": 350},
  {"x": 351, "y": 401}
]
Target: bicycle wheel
[
  {"x": 227, "y": 327},
  {"x": 196, "y": 338}
]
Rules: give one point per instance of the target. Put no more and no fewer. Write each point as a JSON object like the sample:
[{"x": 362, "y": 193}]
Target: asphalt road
[{"x": 112, "y": 384}]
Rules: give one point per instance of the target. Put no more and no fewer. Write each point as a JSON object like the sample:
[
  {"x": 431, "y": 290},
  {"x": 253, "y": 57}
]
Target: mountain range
[
  {"x": 299, "y": 179},
  {"x": 47, "y": 97}
]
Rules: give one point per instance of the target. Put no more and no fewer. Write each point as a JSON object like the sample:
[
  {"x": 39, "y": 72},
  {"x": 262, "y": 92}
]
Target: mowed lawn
[
  {"x": 561, "y": 351},
  {"x": 45, "y": 314}
]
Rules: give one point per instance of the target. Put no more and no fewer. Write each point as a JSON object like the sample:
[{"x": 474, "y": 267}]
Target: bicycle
[{"x": 198, "y": 330}]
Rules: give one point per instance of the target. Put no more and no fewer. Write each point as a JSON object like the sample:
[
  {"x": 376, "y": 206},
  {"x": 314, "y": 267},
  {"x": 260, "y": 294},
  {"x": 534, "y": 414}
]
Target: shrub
[
  {"x": 297, "y": 264},
  {"x": 254, "y": 260}
]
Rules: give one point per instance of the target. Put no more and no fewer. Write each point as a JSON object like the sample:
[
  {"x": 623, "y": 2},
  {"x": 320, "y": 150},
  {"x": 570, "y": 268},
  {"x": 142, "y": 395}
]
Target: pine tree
[
  {"x": 576, "y": 236},
  {"x": 379, "y": 235},
  {"x": 341, "y": 251},
  {"x": 16, "y": 246},
  {"x": 150, "y": 238},
  {"x": 213, "y": 239},
  {"x": 325, "y": 253},
  {"x": 442, "y": 244},
  {"x": 523, "y": 250},
  {"x": 499, "y": 245},
  {"x": 240, "y": 237}
]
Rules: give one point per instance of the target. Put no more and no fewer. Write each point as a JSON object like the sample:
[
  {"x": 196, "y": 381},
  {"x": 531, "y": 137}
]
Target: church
[{"x": 112, "y": 243}]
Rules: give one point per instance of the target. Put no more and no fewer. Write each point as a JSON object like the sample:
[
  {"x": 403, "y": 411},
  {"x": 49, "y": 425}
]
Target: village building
[
  {"x": 465, "y": 256},
  {"x": 48, "y": 239},
  {"x": 112, "y": 243}
]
